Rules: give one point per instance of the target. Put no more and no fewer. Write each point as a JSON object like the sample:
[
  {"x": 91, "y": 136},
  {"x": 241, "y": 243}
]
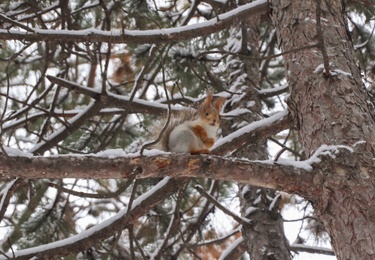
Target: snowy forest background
[{"x": 103, "y": 97}]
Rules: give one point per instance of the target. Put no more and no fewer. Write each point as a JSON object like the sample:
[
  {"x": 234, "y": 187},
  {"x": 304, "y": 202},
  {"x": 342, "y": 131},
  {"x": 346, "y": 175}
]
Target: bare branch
[
  {"x": 16, "y": 23},
  {"x": 6, "y": 194},
  {"x": 93, "y": 93},
  {"x": 312, "y": 249},
  {"x": 211, "y": 199},
  {"x": 266, "y": 93}
]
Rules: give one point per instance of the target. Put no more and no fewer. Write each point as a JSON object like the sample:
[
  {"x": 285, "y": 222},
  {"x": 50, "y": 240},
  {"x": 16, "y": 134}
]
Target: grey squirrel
[{"x": 193, "y": 131}]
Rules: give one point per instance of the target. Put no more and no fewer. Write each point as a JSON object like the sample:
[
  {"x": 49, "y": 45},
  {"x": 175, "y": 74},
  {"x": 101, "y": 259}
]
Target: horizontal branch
[
  {"x": 216, "y": 24},
  {"x": 312, "y": 249},
  {"x": 113, "y": 165},
  {"x": 304, "y": 178}
]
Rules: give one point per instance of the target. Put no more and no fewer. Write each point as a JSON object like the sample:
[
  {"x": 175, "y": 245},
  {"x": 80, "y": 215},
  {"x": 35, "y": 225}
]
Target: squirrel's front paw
[{"x": 203, "y": 151}]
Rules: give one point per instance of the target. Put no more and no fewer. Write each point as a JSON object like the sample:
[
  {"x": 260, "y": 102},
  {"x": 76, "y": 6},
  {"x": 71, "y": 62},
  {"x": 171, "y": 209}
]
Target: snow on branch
[
  {"x": 107, "y": 228},
  {"x": 92, "y": 109},
  {"x": 136, "y": 36},
  {"x": 113, "y": 100},
  {"x": 253, "y": 132},
  {"x": 19, "y": 123},
  {"x": 312, "y": 249},
  {"x": 117, "y": 164},
  {"x": 287, "y": 175},
  {"x": 234, "y": 251}
]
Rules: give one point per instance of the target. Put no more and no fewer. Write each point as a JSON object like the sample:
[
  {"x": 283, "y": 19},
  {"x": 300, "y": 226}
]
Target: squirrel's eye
[{"x": 206, "y": 114}]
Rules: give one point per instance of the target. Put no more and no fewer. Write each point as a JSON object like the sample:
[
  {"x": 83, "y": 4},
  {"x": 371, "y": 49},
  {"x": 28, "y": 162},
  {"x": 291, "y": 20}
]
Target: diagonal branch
[
  {"x": 139, "y": 37},
  {"x": 227, "y": 211},
  {"x": 62, "y": 133},
  {"x": 254, "y": 132},
  {"x": 107, "y": 228},
  {"x": 251, "y": 133},
  {"x": 112, "y": 100}
]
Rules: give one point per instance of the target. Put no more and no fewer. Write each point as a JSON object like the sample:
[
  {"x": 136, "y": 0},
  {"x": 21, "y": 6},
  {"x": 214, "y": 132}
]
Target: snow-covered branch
[
  {"x": 107, "y": 228},
  {"x": 305, "y": 178},
  {"x": 112, "y": 100},
  {"x": 312, "y": 249},
  {"x": 289, "y": 176},
  {"x": 73, "y": 123},
  {"x": 253, "y": 132},
  {"x": 134, "y": 36}
]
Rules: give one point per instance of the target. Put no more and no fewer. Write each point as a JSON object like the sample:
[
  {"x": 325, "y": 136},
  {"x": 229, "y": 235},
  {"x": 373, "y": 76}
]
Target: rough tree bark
[
  {"x": 329, "y": 105},
  {"x": 264, "y": 237}
]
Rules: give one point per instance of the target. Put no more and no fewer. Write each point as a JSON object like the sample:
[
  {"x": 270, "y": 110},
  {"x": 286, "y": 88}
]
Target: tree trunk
[
  {"x": 329, "y": 105},
  {"x": 264, "y": 237}
]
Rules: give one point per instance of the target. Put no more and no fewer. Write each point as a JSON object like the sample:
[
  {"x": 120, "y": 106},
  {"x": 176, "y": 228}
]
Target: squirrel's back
[
  {"x": 192, "y": 131},
  {"x": 176, "y": 119}
]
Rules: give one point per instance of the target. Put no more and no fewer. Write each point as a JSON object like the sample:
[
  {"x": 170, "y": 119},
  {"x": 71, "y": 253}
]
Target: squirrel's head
[{"x": 210, "y": 113}]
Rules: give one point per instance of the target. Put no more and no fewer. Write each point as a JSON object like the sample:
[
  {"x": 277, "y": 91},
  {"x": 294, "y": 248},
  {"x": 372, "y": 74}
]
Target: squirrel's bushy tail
[{"x": 176, "y": 118}]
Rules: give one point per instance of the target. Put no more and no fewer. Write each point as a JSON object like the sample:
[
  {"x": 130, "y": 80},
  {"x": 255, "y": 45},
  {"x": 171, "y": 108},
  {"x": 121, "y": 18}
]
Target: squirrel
[{"x": 192, "y": 131}]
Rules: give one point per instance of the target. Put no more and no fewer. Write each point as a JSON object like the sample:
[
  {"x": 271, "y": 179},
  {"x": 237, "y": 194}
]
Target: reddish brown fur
[{"x": 199, "y": 131}]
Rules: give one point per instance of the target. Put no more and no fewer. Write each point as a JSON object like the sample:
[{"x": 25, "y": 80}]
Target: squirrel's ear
[
  {"x": 208, "y": 100},
  {"x": 219, "y": 102}
]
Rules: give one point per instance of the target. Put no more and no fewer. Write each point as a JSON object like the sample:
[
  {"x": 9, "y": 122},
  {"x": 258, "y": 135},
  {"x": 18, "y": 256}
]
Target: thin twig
[
  {"x": 311, "y": 249},
  {"x": 16, "y": 23},
  {"x": 300, "y": 219},
  {"x": 221, "y": 207},
  {"x": 175, "y": 217},
  {"x": 225, "y": 53},
  {"x": 284, "y": 148},
  {"x": 94, "y": 195},
  {"x": 11, "y": 247},
  {"x": 140, "y": 248},
  {"x": 168, "y": 115},
  {"x": 220, "y": 239}
]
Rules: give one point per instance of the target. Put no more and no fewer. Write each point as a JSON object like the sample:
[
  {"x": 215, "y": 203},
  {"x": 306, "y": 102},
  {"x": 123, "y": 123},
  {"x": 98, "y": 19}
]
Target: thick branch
[
  {"x": 264, "y": 174},
  {"x": 138, "y": 37}
]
